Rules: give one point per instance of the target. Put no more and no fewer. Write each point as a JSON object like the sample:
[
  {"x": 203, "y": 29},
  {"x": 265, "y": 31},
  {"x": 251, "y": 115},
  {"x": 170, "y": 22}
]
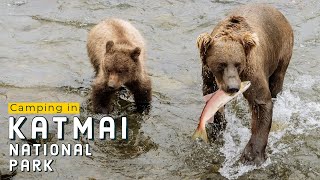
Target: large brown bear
[
  {"x": 254, "y": 43},
  {"x": 117, "y": 52}
]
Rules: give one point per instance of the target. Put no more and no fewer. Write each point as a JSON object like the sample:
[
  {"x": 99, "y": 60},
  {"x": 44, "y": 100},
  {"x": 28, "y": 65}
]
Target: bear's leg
[
  {"x": 100, "y": 98},
  {"x": 259, "y": 98},
  {"x": 210, "y": 86},
  {"x": 277, "y": 78},
  {"x": 142, "y": 94}
]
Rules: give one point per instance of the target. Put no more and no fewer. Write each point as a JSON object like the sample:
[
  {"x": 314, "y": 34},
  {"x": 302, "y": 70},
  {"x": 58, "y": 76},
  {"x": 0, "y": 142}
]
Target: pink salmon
[{"x": 214, "y": 102}]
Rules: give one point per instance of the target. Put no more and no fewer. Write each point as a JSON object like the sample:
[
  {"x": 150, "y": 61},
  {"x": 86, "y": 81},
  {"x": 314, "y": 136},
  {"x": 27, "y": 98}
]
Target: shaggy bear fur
[
  {"x": 254, "y": 43},
  {"x": 117, "y": 52}
]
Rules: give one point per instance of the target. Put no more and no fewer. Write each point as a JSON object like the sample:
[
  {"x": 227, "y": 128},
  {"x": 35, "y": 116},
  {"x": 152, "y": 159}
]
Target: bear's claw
[{"x": 252, "y": 155}]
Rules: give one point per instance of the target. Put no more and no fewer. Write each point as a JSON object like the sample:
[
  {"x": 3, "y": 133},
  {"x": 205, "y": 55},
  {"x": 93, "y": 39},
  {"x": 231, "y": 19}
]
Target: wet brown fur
[
  {"x": 117, "y": 52},
  {"x": 254, "y": 43}
]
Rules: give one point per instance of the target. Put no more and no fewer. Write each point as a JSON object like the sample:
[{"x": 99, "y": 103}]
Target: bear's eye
[
  {"x": 237, "y": 65},
  {"x": 121, "y": 71},
  {"x": 222, "y": 66}
]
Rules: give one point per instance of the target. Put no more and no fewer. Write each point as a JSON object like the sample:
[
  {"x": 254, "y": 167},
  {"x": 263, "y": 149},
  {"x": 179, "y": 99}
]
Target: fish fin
[{"x": 200, "y": 133}]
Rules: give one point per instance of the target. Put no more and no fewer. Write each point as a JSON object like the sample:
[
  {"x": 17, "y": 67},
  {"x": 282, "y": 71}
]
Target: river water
[{"x": 43, "y": 58}]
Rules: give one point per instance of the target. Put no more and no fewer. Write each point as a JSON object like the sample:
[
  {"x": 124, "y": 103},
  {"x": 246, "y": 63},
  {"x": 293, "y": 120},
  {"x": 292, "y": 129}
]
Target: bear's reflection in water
[{"x": 137, "y": 142}]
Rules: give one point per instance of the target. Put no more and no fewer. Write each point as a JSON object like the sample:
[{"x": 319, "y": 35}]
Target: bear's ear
[
  {"x": 109, "y": 46},
  {"x": 249, "y": 41},
  {"x": 203, "y": 43},
  {"x": 135, "y": 54}
]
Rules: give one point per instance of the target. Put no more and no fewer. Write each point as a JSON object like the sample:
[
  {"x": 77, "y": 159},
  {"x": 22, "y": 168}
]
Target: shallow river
[{"x": 43, "y": 58}]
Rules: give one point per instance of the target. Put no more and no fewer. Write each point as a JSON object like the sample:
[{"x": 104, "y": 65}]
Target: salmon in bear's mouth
[{"x": 214, "y": 102}]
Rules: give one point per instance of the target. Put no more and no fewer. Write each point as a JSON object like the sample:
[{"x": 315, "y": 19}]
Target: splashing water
[{"x": 291, "y": 116}]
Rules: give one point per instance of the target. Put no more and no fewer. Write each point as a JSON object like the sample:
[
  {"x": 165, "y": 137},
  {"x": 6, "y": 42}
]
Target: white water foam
[{"x": 295, "y": 116}]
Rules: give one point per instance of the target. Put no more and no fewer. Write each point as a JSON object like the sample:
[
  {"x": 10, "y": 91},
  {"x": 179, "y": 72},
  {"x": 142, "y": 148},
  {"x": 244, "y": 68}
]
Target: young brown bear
[
  {"x": 254, "y": 43},
  {"x": 117, "y": 52}
]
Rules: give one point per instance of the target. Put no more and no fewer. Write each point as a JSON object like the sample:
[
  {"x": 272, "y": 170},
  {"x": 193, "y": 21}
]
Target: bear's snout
[
  {"x": 231, "y": 80},
  {"x": 113, "y": 82},
  {"x": 233, "y": 85},
  {"x": 233, "y": 89}
]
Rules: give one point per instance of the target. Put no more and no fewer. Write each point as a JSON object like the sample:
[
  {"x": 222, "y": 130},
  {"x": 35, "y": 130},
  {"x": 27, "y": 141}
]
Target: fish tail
[{"x": 200, "y": 133}]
